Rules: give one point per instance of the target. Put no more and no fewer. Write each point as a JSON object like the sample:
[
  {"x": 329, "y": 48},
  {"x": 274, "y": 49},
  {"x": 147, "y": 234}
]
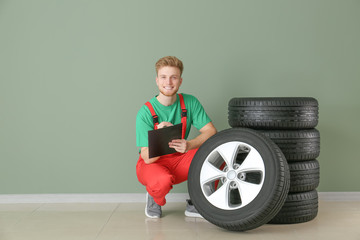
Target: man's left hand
[{"x": 180, "y": 145}]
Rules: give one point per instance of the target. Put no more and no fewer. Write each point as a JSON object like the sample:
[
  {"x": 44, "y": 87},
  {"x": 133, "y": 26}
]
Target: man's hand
[
  {"x": 180, "y": 145},
  {"x": 165, "y": 124},
  {"x": 145, "y": 155}
]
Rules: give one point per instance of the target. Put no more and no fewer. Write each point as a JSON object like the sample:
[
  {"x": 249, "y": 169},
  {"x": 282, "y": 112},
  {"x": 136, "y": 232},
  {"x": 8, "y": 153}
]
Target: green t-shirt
[{"x": 196, "y": 116}]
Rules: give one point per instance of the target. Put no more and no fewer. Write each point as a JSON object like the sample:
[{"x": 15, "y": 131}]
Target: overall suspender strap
[
  {"x": 183, "y": 115},
  {"x": 155, "y": 117}
]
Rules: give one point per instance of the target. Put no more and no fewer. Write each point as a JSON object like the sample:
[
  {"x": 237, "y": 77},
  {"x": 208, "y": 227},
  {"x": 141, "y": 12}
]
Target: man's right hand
[
  {"x": 165, "y": 124},
  {"x": 145, "y": 155}
]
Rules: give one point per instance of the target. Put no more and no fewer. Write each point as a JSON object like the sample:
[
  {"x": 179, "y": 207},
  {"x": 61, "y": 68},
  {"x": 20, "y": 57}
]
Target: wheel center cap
[{"x": 231, "y": 175}]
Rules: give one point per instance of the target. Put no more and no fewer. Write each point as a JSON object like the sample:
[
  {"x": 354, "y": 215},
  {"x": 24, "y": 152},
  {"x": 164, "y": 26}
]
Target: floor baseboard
[
  {"x": 339, "y": 196},
  {"x": 86, "y": 198},
  {"x": 135, "y": 197}
]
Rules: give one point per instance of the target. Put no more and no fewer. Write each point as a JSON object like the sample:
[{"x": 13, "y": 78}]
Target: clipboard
[{"x": 159, "y": 140}]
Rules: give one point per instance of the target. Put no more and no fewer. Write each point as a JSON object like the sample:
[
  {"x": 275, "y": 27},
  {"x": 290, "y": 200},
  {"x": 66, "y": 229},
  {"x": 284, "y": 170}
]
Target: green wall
[{"x": 74, "y": 73}]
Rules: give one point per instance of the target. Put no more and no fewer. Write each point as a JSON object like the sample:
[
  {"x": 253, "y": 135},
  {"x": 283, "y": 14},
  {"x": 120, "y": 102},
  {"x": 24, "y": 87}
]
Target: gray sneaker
[
  {"x": 152, "y": 209},
  {"x": 191, "y": 210}
]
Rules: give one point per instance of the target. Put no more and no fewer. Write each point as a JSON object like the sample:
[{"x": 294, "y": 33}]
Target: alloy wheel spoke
[
  {"x": 252, "y": 163},
  {"x": 210, "y": 173},
  {"x": 248, "y": 191},
  {"x": 228, "y": 152},
  {"x": 220, "y": 198}
]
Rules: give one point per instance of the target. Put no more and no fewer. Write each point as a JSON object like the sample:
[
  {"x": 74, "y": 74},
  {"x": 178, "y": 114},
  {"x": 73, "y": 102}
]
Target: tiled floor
[{"x": 99, "y": 221}]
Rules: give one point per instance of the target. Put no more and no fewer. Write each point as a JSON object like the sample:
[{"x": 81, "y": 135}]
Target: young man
[{"x": 159, "y": 174}]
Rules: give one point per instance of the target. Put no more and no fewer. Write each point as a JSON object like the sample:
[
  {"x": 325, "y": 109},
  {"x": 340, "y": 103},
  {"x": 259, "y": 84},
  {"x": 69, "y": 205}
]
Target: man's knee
[{"x": 160, "y": 184}]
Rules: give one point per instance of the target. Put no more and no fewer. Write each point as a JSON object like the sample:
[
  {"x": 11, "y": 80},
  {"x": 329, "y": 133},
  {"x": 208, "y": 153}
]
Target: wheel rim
[{"x": 232, "y": 175}]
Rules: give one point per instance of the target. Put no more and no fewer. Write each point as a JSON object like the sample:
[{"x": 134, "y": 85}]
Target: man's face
[{"x": 168, "y": 80}]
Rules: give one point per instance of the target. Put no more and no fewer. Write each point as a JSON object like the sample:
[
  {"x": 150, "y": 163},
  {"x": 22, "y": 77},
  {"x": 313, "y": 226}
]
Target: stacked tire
[{"x": 290, "y": 123}]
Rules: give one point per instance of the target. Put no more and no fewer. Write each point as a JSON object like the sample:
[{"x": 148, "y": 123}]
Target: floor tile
[
  {"x": 12, "y": 214},
  {"x": 117, "y": 221}
]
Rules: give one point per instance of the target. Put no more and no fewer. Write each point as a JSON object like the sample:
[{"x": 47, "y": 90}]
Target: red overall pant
[{"x": 160, "y": 176}]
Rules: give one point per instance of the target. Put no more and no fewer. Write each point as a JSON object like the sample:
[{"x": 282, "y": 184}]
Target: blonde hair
[{"x": 170, "y": 61}]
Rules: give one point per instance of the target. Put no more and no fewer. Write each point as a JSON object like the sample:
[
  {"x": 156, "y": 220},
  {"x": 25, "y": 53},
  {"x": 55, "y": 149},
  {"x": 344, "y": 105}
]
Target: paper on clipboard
[{"x": 159, "y": 140}]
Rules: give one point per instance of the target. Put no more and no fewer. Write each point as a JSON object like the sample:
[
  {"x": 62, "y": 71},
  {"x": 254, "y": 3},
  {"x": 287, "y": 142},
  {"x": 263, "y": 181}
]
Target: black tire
[
  {"x": 304, "y": 176},
  {"x": 297, "y": 145},
  {"x": 223, "y": 188},
  {"x": 298, "y": 208},
  {"x": 273, "y": 113}
]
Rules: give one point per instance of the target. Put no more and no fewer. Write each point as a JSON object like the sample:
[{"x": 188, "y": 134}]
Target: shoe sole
[
  {"x": 149, "y": 216},
  {"x": 191, "y": 214}
]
